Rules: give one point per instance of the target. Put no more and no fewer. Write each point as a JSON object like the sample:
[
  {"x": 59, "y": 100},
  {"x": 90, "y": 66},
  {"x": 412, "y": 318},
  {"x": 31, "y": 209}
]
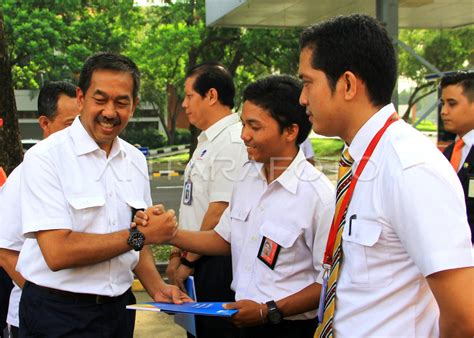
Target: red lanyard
[{"x": 347, "y": 197}]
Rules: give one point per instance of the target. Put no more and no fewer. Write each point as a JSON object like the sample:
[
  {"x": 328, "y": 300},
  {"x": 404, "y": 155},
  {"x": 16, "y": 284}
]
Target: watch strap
[{"x": 187, "y": 263}]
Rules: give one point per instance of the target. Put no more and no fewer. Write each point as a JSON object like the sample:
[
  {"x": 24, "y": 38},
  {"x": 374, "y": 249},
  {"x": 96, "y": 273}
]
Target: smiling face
[
  {"x": 457, "y": 112},
  {"x": 320, "y": 101},
  {"x": 262, "y": 137},
  {"x": 107, "y": 105}
]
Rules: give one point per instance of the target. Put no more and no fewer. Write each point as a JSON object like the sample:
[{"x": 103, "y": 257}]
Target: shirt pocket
[
  {"x": 85, "y": 211},
  {"x": 126, "y": 213},
  {"x": 364, "y": 257},
  {"x": 285, "y": 236},
  {"x": 240, "y": 214}
]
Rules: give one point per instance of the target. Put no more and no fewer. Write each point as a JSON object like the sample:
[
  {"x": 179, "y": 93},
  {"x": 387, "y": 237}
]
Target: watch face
[
  {"x": 136, "y": 239},
  {"x": 274, "y": 315}
]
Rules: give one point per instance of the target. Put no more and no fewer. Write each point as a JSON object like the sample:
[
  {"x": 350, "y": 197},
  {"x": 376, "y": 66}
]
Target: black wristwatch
[
  {"x": 136, "y": 239},
  {"x": 274, "y": 314},
  {"x": 187, "y": 263}
]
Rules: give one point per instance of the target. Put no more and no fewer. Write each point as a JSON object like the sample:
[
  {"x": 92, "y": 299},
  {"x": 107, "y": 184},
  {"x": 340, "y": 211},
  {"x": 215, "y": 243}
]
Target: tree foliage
[
  {"x": 445, "y": 49},
  {"x": 50, "y": 40},
  {"x": 11, "y": 153}
]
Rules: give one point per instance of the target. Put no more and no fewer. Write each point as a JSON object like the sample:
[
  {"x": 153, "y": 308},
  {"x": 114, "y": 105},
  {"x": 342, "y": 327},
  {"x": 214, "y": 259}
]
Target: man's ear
[
  {"x": 44, "y": 123},
  {"x": 136, "y": 101},
  {"x": 292, "y": 132},
  {"x": 349, "y": 84},
  {"x": 80, "y": 98},
  {"x": 213, "y": 96}
]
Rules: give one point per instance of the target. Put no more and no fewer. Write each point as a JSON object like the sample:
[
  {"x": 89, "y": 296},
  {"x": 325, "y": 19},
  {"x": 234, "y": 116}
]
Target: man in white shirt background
[
  {"x": 277, "y": 221},
  {"x": 457, "y": 113},
  {"x": 406, "y": 264},
  {"x": 57, "y": 108},
  {"x": 208, "y": 181},
  {"x": 79, "y": 189}
]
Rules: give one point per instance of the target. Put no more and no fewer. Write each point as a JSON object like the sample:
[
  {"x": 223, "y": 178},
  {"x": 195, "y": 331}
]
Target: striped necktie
[
  {"x": 456, "y": 155},
  {"x": 343, "y": 181}
]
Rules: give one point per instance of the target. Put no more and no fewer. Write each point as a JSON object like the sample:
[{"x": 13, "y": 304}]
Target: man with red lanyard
[{"x": 398, "y": 259}]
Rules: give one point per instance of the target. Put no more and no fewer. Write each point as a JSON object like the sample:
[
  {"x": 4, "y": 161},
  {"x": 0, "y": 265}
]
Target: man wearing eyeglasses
[{"x": 457, "y": 113}]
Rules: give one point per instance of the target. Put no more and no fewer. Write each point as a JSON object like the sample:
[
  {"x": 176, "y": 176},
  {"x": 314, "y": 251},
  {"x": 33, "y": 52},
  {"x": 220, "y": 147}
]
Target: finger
[
  {"x": 159, "y": 209},
  {"x": 176, "y": 296},
  {"x": 133, "y": 225},
  {"x": 230, "y": 306},
  {"x": 171, "y": 212},
  {"x": 139, "y": 221},
  {"x": 141, "y": 215},
  {"x": 185, "y": 298}
]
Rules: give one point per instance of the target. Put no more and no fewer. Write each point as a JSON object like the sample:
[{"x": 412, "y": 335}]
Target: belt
[{"x": 76, "y": 297}]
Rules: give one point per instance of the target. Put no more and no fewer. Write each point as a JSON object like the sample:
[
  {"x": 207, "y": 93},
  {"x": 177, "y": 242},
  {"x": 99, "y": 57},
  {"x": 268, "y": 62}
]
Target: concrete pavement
[{"x": 155, "y": 324}]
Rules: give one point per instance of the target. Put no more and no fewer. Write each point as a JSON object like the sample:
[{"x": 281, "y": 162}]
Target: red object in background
[
  {"x": 3, "y": 176},
  {"x": 1, "y": 123}
]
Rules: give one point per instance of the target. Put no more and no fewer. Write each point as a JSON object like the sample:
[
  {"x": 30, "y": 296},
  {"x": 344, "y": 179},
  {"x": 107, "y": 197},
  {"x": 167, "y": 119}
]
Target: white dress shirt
[
  {"x": 411, "y": 222},
  {"x": 68, "y": 182},
  {"x": 295, "y": 211},
  {"x": 11, "y": 236},
  {"x": 307, "y": 149},
  {"x": 468, "y": 140},
  {"x": 213, "y": 169}
]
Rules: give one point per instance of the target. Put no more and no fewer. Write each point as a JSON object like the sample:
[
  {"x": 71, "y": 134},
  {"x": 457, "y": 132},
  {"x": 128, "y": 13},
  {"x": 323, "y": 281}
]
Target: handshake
[{"x": 157, "y": 224}]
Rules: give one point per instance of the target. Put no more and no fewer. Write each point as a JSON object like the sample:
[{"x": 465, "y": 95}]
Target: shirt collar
[
  {"x": 367, "y": 132},
  {"x": 213, "y": 131},
  {"x": 468, "y": 138},
  {"x": 290, "y": 178},
  {"x": 84, "y": 143}
]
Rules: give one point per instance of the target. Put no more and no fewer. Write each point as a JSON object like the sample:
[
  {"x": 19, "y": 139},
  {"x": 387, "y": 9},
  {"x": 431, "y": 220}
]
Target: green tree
[
  {"x": 174, "y": 38},
  {"x": 11, "y": 153},
  {"x": 50, "y": 40},
  {"x": 446, "y": 49}
]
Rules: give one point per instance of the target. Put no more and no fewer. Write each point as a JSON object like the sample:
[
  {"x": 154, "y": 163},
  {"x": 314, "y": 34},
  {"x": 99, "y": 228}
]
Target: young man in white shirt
[
  {"x": 79, "y": 189},
  {"x": 208, "y": 181},
  {"x": 277, "y": 221},
  {"x": 457, "y": 113},
  {"x": 57, "y": 109},
  {"x": 406, "y": 267}
]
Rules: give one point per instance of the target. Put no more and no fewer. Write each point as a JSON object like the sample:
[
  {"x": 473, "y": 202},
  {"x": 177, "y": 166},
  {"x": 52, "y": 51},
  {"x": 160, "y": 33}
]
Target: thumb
[{"x": 230, "y": 306}]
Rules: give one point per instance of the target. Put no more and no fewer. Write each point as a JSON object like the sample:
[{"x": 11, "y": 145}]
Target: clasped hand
[{"x": 159, "y": 225}]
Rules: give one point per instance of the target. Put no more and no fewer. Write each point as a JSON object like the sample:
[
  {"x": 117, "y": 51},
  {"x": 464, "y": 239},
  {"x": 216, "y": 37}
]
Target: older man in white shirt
[{"x": 79, "y": 190}]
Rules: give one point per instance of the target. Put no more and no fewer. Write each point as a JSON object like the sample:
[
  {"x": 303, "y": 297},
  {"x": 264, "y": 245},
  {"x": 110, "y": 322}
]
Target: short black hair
[
  {"x": 213, "y": 75},
  {"x": 279, "y": 95},
  {"x": 109, "y": 61},
  {"x": 463, "y": 78},
  {"x": 49, "y": 96},
  {"x": 357, "y": 43}
]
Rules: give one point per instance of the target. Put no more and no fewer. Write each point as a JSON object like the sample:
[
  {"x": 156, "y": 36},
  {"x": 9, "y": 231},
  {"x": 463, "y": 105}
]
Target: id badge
[
  {"x": 188, "y": 192},
  {"x": 322, "y": 298},
  {"x": 470, "y": 189},
  {"x": 268, "y": 252}
]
